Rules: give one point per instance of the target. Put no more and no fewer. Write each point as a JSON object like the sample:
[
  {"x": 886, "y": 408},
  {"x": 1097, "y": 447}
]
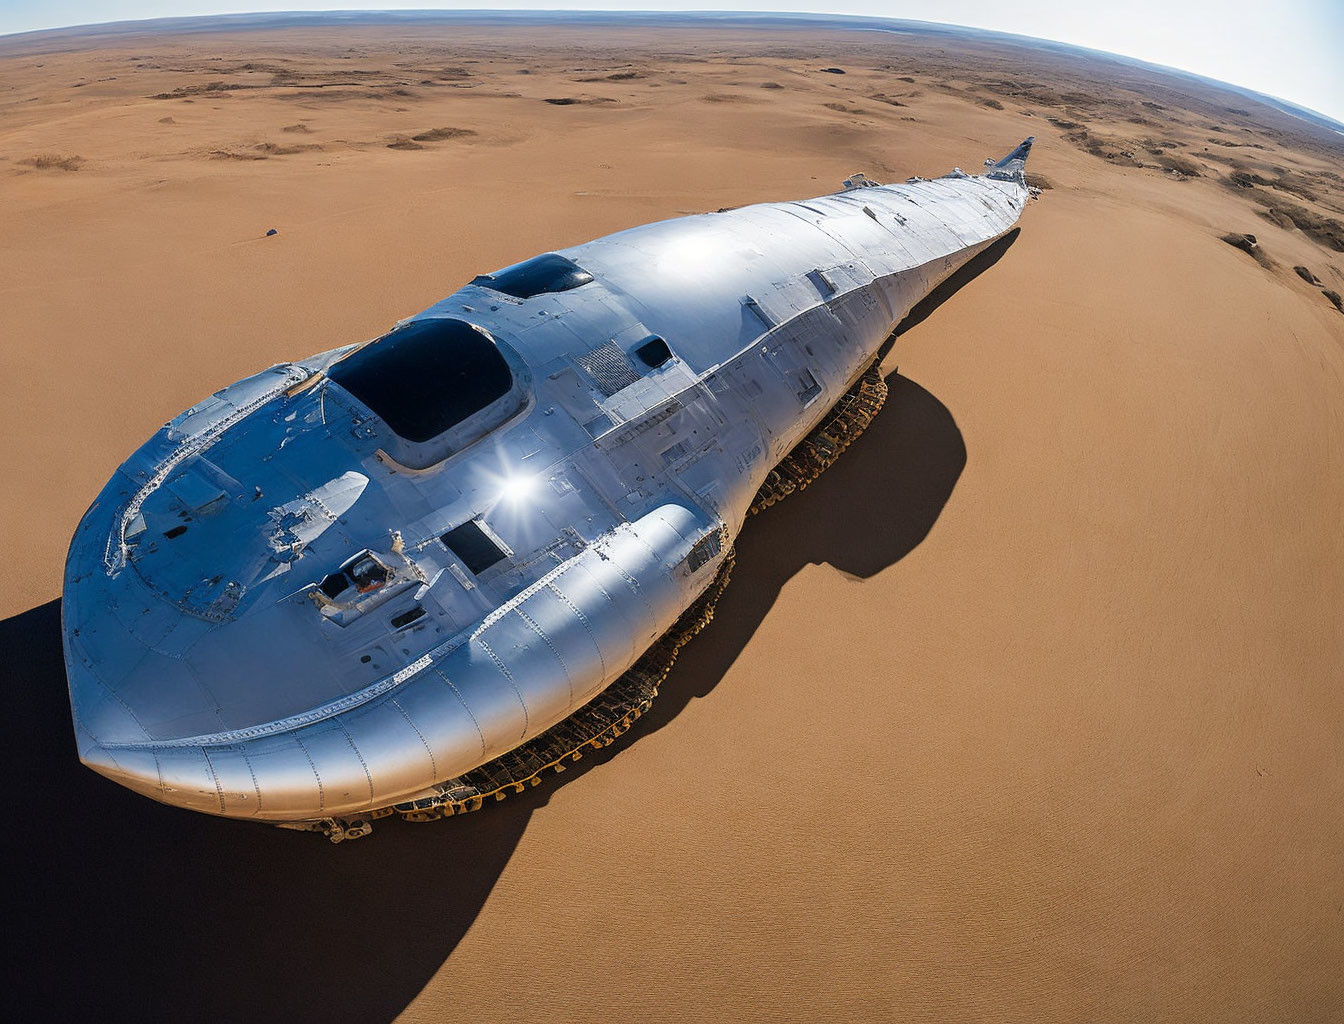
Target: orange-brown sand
[{"x": 1031, "y": 708}]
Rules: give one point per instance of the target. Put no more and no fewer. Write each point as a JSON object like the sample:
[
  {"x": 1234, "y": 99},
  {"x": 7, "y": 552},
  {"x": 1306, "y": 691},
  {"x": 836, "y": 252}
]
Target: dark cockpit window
[
  {"x": 426, "y": 377},
  {"x": 335, "y": 585},
  {"x": 548, "y": 273}
]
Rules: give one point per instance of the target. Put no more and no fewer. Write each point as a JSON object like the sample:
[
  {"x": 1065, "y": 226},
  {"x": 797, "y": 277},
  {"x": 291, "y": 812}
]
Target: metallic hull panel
[{"x": 279, "y": 609}]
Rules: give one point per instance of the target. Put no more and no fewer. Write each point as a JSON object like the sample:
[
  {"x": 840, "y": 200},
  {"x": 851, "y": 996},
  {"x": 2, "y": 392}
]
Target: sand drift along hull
[{"x": 414, "y": 573}]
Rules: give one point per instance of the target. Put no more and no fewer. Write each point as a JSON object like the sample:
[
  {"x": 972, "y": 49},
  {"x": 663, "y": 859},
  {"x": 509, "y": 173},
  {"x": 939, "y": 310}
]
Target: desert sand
[{"x": 1029, "y": 709}]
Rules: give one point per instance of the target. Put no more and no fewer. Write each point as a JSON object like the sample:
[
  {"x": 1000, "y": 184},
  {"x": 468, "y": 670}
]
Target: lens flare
[{"x": 517, "y": 488}]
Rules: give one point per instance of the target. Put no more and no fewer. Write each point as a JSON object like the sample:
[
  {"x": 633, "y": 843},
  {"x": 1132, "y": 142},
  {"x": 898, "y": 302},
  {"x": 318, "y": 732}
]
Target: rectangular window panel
[{"x": 471, "y": 544}]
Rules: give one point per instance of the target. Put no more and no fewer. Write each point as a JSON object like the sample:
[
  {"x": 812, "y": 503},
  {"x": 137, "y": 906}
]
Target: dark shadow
[
  {"x": 122, "y": 905},
  {"x": 964, "y": 276}
]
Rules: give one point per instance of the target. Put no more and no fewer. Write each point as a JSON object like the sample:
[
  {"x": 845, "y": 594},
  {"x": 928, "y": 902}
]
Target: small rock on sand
[{"x": 1248, "y": 244}]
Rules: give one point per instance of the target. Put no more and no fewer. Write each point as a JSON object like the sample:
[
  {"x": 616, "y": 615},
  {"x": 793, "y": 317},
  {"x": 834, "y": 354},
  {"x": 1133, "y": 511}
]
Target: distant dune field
[{"x": 1031, "y": 708}]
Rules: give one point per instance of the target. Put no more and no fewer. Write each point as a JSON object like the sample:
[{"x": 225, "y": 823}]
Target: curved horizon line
[{"x": 1283, "y": 105}]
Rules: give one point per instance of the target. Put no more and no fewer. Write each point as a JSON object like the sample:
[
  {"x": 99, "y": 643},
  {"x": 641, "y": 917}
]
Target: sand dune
[{"x": 1029, "y": 709}]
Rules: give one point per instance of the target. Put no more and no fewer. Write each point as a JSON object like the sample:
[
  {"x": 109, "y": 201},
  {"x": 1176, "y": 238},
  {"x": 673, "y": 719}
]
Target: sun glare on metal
[{"x": 517, "y": 488}]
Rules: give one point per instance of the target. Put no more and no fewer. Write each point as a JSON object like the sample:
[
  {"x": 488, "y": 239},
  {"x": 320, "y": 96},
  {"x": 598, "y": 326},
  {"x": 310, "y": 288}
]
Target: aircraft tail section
[{"x": 1013, "y": 166}]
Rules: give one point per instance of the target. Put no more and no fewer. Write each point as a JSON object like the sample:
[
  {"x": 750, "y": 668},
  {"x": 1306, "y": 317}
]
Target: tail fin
[{"x": 1013, "y": 166}]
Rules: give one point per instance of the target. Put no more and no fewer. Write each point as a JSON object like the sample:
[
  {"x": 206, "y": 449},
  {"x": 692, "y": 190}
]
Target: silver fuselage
[{"x": 208, "y": 669}]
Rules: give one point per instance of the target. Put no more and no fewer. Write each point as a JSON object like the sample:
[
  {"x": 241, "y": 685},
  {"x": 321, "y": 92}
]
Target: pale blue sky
[{"x": 1293, "y": 49}]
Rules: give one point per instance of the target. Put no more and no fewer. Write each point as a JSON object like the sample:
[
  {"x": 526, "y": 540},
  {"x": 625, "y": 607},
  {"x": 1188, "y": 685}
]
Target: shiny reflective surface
[{"x": 215, "y": 663}]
